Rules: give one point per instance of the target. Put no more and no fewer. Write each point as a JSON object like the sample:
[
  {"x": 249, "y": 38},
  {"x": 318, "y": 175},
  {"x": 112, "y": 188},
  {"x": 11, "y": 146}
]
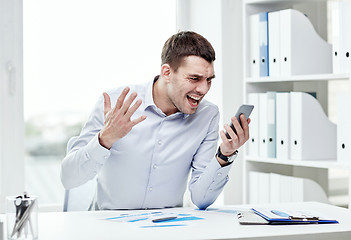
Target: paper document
[{"x": 155, "y": 218}]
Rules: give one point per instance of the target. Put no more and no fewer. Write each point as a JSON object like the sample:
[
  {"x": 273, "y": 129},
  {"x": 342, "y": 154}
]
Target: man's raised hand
[{"x": 117, "y": 120}]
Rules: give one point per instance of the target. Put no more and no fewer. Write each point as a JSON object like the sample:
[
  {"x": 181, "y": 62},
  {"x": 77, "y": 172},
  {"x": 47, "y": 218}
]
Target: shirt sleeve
[
  {"x": 86, "y": 156},
  {"x": 208, "y": 176}
]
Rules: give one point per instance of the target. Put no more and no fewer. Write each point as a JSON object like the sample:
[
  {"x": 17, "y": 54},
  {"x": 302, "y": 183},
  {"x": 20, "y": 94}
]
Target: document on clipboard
[
  {"x": 249, "y": 217},
  {"x": 288, "y": 216}
]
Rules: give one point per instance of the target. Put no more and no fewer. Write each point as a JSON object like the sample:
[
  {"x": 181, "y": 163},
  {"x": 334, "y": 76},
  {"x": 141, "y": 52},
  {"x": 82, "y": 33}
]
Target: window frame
[{"x": 11, "y": 100}]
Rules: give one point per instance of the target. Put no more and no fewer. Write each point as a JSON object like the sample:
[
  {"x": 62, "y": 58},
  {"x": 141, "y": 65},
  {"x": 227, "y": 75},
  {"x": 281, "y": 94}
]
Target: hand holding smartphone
[{"x": 243, "y": 109}]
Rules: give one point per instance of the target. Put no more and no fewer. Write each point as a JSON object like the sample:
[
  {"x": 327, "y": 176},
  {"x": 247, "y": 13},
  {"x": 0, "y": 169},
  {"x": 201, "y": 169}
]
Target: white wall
[
  {"x": 11, "y": 100},
  {"x": 220, "y": 22},
  {"x": 233, "y": 79},
  {"x": 204, "y": 17}
]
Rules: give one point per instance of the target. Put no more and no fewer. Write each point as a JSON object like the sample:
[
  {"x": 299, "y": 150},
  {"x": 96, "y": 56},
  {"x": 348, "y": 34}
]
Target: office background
[{"x": 74, "y": 50}]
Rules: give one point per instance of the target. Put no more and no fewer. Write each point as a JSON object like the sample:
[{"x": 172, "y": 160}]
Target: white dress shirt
[{"x": 149, "y": 167}]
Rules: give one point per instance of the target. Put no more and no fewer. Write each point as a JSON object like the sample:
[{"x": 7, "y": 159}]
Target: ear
[{"x": 166, "y": 72}]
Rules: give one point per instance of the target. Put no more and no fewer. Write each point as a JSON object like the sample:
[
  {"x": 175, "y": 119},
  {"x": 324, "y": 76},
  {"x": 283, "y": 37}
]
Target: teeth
[{"x": 195, "y": 98}]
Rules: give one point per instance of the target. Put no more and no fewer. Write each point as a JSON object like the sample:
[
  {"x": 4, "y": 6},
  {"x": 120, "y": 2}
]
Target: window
[{"x": 73, "y": 51}]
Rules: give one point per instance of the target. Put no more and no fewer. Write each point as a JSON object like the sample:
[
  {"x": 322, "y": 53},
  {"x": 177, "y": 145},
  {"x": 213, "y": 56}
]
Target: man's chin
[{"x": 190, "y": 111}]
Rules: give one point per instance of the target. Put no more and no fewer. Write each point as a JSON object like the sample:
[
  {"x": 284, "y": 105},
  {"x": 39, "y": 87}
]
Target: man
[{"x": 143, "y": 147}]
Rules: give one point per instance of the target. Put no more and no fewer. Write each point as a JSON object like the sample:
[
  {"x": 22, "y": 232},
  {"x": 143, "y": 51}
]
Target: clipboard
[
  {"x": 250, "y": 218},
  {"x": 288, "y": 216}
]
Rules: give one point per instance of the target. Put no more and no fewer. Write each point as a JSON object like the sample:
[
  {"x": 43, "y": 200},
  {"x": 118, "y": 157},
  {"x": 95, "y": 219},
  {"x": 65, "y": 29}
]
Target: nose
[{"x": 203, "y": 86}]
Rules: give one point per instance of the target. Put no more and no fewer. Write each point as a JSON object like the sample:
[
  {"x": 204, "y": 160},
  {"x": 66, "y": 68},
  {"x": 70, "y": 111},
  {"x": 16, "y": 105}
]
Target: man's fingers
[
  {"x": 245, "y": 126},
  {"x": 228, "y": 144},
  {"x": 238, "y": 128},
  {"x": 132, "y": 109},
  {"x": 107, "y": 103},
  {"x": 138, "y": 120},
  {"x": 237, "y": 140},
  {"x": 224, "y": 138},
  {"x": 230, "y": 131},
  {"x": 121, "y": 98},
  {"x": 128, "y": 102}
]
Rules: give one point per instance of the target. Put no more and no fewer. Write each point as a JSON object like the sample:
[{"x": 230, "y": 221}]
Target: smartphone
[{"x": 243, "y": 109}]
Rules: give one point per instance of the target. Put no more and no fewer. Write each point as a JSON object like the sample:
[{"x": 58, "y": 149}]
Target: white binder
[
  {"x": 274, "y": 43},
  {"x": 341, "y": 35},
  {"x": 286, "y": 187},
  {"x": 253, "y": 187},
  {"x": 335, "y": 33},
  {"x": 253, "y": 142},
  {"x": 295, "y": 189},
  {"x": 271, "y": 124},
  {"x": 263, "y": 44},
  {"x": 344, "y": 128},
  {"x": 283, "y": 125},
  {"x": 275, "y": 188},
  {"x": 302, "y": 50},
  {"x": 264, "y": 187},
  {"x": 254, "y": 46},
  {"x": 312, "y": 191},
  {"x": 312, "y": 135},
  {"x": 262, "y": 126}
]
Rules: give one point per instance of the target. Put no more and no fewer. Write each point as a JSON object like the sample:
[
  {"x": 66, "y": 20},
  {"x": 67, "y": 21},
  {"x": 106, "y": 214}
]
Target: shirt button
[
  {"x": 106, "y": 156},
  {"x": 150, "y": 189},
  {"x": 155, "y": 166},
  {"x": 219, "y": 174},
  {"x": 159, "y": 142}
]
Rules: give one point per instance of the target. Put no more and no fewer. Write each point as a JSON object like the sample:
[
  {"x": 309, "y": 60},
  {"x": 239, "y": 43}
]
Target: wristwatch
[{"x": 229, "y": 159}]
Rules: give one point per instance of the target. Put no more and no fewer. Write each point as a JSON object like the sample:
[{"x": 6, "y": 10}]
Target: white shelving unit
[
  {"x": 316, "y": 170},
  {"x": 312, "y": 77}
]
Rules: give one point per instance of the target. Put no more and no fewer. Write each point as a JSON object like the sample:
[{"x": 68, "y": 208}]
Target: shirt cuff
[
  {"x": 217, "y": 171},
  {"x": 95, "y": 151}
]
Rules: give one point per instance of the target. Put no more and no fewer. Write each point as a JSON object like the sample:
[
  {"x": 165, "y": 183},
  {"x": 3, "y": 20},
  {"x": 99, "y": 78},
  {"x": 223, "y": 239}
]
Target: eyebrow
[
  {"x": 201, "y": 76},
  {"x": 212, "y": 77}
]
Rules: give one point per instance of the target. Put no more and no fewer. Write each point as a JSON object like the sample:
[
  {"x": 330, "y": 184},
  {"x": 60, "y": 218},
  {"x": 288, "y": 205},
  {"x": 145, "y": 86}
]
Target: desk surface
[{"x": 214, "y": 224}]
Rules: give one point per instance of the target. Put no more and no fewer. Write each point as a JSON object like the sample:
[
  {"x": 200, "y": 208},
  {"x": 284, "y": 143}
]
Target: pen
[{"x": 163, "y": 219}]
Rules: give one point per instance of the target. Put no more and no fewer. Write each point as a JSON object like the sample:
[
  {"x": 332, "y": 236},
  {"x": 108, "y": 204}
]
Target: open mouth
[{"x": 193, "y": 100}]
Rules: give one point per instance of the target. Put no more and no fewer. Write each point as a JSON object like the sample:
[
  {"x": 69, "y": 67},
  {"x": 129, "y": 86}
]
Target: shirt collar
[{"x": 149, "y": 101}]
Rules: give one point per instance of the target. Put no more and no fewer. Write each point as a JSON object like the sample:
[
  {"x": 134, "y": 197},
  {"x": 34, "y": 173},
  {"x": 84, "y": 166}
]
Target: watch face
[{"x": 231, "y": 159}]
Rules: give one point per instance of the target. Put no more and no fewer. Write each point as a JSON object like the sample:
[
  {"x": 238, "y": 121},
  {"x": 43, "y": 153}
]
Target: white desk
[{"x": 215, "y": 225}]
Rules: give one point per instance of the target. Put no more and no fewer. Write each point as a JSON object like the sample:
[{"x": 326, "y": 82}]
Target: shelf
[
  {"x": 248, "y": 2},
  {"x": 298, "y": 78},
  {"x": 301, "y": 163},
  {"x": 311, "y": 81}
]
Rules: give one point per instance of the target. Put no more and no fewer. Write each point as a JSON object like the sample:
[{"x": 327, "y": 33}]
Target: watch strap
[{"x": 228, "y": 159}]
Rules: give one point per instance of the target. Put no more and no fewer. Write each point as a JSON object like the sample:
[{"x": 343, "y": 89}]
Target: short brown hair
[{"x": 185, "y": 44}]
